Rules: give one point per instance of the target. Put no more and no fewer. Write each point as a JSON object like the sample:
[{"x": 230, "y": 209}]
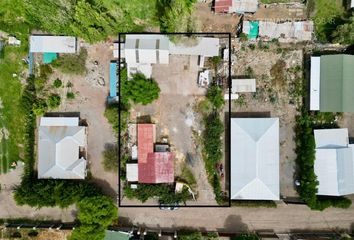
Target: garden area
[{"x": 11, "y": 115}]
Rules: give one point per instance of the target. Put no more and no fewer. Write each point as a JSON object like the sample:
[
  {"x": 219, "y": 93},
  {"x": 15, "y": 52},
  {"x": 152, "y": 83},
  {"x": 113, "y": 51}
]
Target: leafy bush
[
  {"x": 57, "y": 83},
  {"x": 141, "y": 90},
  {"x": 111, "y": 113},
  {"x": 54, "y": 101},
  {"x": 164, "y": 192},
  {"x": 214, "y": 95},
  {"x": 189, "y": 235},
  {"x": 45, "y": 70},
  {"x": 110, "y": 157},
  {"x": 40, "y": 107},
  {"x": 245, "y": 237},
  {"x": 72, "y": 63},
  {"x": 70, "y": 95}
]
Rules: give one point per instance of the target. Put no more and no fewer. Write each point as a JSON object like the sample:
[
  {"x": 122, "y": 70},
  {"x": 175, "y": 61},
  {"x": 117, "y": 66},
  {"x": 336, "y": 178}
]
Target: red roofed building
[
  {"x": 153, "y": 167},
  {"x": 222, "y": 6}
]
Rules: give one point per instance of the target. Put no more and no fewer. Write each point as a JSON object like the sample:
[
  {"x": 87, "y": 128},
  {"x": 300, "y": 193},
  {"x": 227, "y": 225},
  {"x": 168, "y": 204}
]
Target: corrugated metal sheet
[
  {"x": 336, "y": 83},
  {"x": 334, "y": 164},
  {"x": 59, "y": 121},
  {"x": 244, "y": 6},
  {"x": 243, "y": 85},
  {"x": 58, "y": 151},
  {"x": 53, "y": 44},
  {"x": 206, "y": 46},
  {"x": 315, "y": 84},
  {"x": 222, "y": 6},
  {"x": 132, "y": 172},
  {"x": 255, "y": 158}
]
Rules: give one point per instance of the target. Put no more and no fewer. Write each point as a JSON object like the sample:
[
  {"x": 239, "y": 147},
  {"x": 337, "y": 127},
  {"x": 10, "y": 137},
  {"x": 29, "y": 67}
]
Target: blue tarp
[
  {"x": 113, "y": 79},
  {"x": 30, "y": 63}
]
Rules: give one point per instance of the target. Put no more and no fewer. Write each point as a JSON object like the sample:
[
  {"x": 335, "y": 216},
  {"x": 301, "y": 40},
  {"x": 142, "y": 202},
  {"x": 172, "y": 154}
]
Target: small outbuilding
[
  {"x": 334, "y": 163},
  {"x": 255, "y": 158},
  {"x": 52, "y": 44}
]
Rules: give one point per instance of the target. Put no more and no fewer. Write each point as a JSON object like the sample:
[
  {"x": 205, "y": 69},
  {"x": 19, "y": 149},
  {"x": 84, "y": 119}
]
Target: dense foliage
[
  {"x": 164, "y": 192},
  {"x": 245, "y": 237},
  {"x": 212, "y": 139},
  {"x": 93, "y": 20},
  {"x": 344, "y": 34},
  {"x": 141, "y": 90},
  {"x": 72, "y": 63}
]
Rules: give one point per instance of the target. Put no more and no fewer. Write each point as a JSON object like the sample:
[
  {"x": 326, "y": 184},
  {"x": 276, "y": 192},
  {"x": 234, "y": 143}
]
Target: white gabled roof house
[
  {"x": 255, "y": 158},
  {"x": 52, "y": 44},
  {"x": 59, "y": 143},
  {"x": 334, "y": 164}
]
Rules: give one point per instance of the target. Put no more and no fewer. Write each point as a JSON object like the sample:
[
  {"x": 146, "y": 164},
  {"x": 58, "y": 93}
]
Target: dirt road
[{"x": 282, "y": 219}]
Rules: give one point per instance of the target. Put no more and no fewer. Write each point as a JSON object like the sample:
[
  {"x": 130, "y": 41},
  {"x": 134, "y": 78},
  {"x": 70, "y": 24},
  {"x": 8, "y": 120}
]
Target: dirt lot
[
  {"x": 91, "y": 92},
  {"x": 276, "y": 72},
  {"x": 174, "y": 117},
  {"x": 208, "y": 21}
]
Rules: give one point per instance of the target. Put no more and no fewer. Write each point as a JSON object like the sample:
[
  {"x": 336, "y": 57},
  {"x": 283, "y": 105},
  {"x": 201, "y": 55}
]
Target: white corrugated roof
[
  {"x": 244, "y": 6},
  {"x": 53, "y": 44},
  {"x": 334, "y": 164},
  {"x": 59, "y": 121},
  {"x": 205, "y": 46},
  {"x": 315, "y": 84},
  {"x": 352, "y": 4},
  {"x": 255, "y": 158},
  {"x": 58, "y": 151},
  {"x": 243, "y": 85},
  {"x": 132, "y": 172},
  {"x": 331, "y": 138},
  {"x": 147, "y": 49}
]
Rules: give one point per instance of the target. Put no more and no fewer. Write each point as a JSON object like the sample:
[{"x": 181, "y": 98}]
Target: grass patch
[
  {"x": 11, "y": 115},
  {"x": 187, "y": 177},
  {"x": 328, "y": 15}
]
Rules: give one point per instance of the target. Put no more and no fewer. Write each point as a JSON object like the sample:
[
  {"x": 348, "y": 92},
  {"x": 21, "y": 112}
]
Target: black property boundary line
[{"x": 228, "y": 34}]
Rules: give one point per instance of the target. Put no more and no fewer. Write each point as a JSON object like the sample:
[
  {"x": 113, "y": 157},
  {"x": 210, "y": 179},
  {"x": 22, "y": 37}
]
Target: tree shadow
[{"x": 233, "y": 223}]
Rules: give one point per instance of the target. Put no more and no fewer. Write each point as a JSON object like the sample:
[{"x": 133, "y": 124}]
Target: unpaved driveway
[{"x": 90, "y": 102}]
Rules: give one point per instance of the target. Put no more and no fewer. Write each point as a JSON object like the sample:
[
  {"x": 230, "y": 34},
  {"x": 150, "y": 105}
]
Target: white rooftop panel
[
  {"x": 243, "y": 85},
  {"x": 53, "y": 44},
  {"x": 59, "y": 121},
  {"x": 315, "y": 84},
  {"x": 132, "y": 172},
  {"x": 205, "y": 46},
  {"x": 331, "y": 138},
  {"x": 255, "y": 158}
]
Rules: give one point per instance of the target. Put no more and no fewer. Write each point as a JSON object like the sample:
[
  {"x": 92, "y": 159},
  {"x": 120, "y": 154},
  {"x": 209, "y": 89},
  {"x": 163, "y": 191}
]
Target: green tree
[
  {"x": 214, "y": 95},
  {"x": 176, "y": 15},
  {"x": 141, "y": 90},
  {"x": 57, "y": 83},
  {"x": 189, "y": 235},
  {"x": 54, "y": 101},
  {"x": 344, "y": 34}
]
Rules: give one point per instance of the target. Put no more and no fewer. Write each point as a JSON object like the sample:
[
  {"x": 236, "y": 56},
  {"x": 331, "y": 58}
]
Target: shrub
[
  {"x": 110, "y": 157},
  {"x": 190, "y": 235},
  {"x": 141, "y": 90},
  {"x": 253, "y": 204},
  {"x": 57, "y": 83},
  {"x": 252, "y": 46},
  {"x": 70, "y": 95},
  {"x": 245, "y": 237},
  {"x": 45, "y": 71},
  {"x": 54, "y": 101},
  {"x": 40, "y": 107},
  {"x": 72, "y": 63},
  {"x": 69, "y": 85},
  {"x": 214, "y": 95},
  {"x": 243, "y": 37}
]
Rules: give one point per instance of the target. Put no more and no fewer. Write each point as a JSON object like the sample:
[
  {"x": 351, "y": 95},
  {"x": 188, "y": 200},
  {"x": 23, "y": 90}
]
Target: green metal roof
[
  {"x": 337, "y": 83},
  {"x": 113, "y": 235}
]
